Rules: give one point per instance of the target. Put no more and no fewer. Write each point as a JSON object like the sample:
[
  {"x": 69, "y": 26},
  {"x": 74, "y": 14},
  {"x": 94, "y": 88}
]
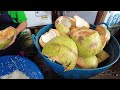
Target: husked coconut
[
  {"x": 73, "y": 22},
  {"x": 74, "y": 29},
  {"x": 88, "y": 42},
  {"x": 87, "y": 62},
  {"x": 103, "y": 31},
  {"x": 48, "y": 36},
  {"x": 63, "y": 50},
  {"x": 81, "y": 22},
  {"x": 63, "y": 24},
  {"x": 65, "y": 20},
  {"x": 63, "y": 29}
]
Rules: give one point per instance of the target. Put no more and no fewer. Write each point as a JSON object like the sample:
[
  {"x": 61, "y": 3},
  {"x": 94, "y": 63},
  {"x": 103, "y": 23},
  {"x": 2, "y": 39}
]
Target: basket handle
[
  {"x": 103, "y": 24},
  {"x": 94, "y": 26}
]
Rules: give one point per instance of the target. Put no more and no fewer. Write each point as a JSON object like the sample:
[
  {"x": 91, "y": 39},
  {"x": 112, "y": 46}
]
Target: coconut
[
  {"x": 87, "y": 41},
  {"x": 103, "y": 32},
  {"x": 6, "y": 37},
  {"x": 104, "y": 35},
  {"x": 48, "y": 36},
  {"x": 63, "y": 24},
  {"x": 65, "y": 20},
  {"x": 87, "y": 62},
  {"x": 73, "y": 22},
  {"x": 74, "y": 29},
  {"x": 63, "y": 50},
  {"x": 81, "y": 22},
  {"x": 63, "y": 29}
]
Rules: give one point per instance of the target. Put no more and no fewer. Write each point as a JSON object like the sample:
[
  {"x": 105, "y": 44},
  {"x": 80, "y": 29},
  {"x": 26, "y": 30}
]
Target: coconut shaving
[{"x": 15, "y": 75}]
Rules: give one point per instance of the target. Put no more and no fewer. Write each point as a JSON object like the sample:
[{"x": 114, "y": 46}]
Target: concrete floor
[{"x": 112, "y": 73}]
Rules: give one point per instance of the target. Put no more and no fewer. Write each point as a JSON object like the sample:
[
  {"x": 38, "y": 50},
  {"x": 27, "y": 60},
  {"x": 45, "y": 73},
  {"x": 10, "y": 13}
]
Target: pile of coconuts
[{"x": 72, "y": 43}]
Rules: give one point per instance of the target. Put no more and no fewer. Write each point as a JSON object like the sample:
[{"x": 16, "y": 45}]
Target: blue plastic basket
[
  {"x": 112, "y": 48},
  {"x": 11, "y": 63}
]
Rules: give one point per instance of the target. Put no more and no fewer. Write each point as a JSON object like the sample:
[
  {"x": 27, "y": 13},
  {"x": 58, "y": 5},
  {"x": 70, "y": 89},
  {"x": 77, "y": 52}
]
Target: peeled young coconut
[
  {"x": 103, "y": 31},
  {"x": 65, "y": 20},
  {"x": 63, "y": 24},
  {"x": 87, "y": 62},
  {"x": 48, "y": 36},
  {"x": 63, "y": 50},
  {"x": 81, "y": 22},
  {"x": 73, "y": 22},
  {"x": 6, "y": 36},
  {"x": 88, "y": 42},
  {"x": 76, "y": 29}
]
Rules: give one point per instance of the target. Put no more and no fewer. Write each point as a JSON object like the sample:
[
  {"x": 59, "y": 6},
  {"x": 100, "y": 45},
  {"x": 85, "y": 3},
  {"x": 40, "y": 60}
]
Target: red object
[{"x": 21, "y": 53}]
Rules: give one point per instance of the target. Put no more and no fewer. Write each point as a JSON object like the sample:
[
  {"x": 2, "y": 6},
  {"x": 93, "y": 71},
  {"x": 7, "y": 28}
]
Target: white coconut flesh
[
  {"x": 103, "y": 25},
  {"x": 15, "y": 75},
  {"x": 48, "y": 36},
  {"x": 65, "y": 22},
  {"x": 79, "y": 21}
]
